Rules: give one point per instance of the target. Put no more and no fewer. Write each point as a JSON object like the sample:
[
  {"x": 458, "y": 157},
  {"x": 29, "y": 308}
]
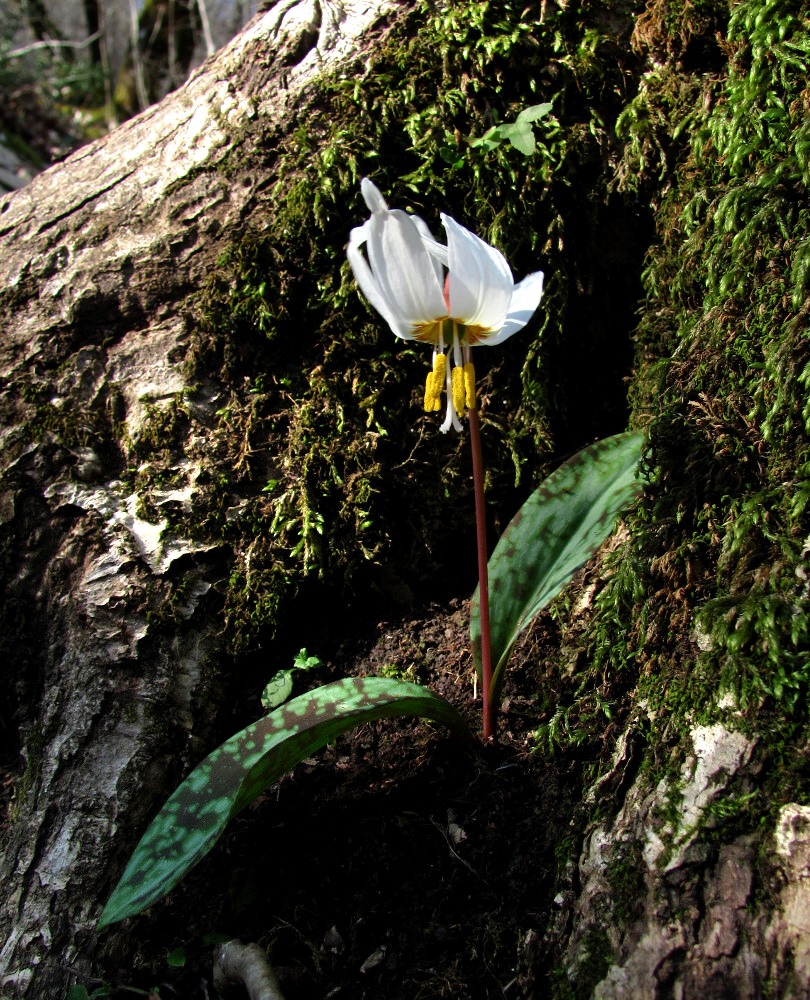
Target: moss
[
  {"x": 322, "y": 432},
  {"x": 594, "y": 958},
  {"x": 626, "y": 876},
  {"x": 666, "y": 197},
  {"x": 162, "y": 431},
  {"x": 680, "y": 131},
  {"x": 685, "y": 33},
  {"x": 88, "y": 432},
  {"x": 704, "y": 613},
  {"x": 27, "y": 780},
  {"x": 395, "y": 672},
  {"x": 715, "y": 603}
]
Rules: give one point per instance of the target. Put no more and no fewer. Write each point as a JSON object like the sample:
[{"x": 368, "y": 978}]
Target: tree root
[{"x": 247, "y": 965}]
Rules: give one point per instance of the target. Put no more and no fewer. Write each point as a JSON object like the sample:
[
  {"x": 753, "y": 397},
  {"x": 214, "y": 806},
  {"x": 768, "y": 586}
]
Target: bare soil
[{"x": 395, "y": 864}]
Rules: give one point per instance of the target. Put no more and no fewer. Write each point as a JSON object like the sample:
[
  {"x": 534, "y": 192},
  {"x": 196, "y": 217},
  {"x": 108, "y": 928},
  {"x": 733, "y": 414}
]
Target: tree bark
[
  {"x": 111, "y": 672},
  {"x": 106, "y": 698}
]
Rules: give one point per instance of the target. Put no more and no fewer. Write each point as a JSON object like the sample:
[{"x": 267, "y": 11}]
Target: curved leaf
[
  {"x": 236, "y": 773},
  {"x": 277, "y": 690},
  {"x": 555, "y": 532}
]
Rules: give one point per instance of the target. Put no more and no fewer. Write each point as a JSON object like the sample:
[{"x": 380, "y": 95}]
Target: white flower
[{"x": 462, "y": 294}]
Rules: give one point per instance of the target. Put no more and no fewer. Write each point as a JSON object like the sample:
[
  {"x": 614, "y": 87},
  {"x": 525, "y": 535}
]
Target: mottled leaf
[
  {"x": 555, "y": 532},
  {"x": 277, "y": 690},
  {"x": 235, "y": 774}
]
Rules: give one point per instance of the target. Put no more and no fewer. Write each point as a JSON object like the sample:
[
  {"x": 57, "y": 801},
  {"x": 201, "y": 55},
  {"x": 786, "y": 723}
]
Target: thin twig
[
  {"x": 51, "y": 43},
  {"x": 452, "y": 849},
  {"x": 210, "y": 48}
]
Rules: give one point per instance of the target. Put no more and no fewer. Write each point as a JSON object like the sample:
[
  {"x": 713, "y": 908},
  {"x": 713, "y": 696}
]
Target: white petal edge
[
  {"x": 405, "y": 273},
  {"x": 368, "y": 283},
  {"x": 480, "y": 279},
  {"x": 525, "y": 300},
  {"x": 433, "y": 248}
]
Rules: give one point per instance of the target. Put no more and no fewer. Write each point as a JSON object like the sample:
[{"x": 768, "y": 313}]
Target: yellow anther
[
  {"x": 432, "y": 398},
  {"x": 435, "y": 383},
  {"x": 459, "y": 392},
  {"x": 440, "y": 370},
  {"x": 469, "y": 385}
]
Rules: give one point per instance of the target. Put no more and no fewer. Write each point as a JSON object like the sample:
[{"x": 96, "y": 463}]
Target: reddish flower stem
[{"x": 483, "y": 576}]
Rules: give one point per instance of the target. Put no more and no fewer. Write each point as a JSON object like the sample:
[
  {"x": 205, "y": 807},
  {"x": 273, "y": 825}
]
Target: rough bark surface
[
  {"x": 112, "y": 673},
  {"x": 97, "y": 256},
  {"x": 676, "y": 910}
]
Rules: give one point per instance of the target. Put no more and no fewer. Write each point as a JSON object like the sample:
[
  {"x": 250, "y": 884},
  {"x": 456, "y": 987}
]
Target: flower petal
[
  {"x": 403, "y": 269},
  {"x": 525, "y": 299},
  {"x": 436, "y": 252},
  {"x": 435, "y": 249},
  {"x": 368, "y": 283},
  {"x": 372, "y": 197},
  {"x": 480, "y": 280}
]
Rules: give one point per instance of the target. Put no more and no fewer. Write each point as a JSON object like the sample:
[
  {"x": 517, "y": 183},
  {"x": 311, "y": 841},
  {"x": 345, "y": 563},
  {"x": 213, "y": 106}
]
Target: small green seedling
[
  {"x": 519, "y": 133},
  {"x": 279, "y": 689}
]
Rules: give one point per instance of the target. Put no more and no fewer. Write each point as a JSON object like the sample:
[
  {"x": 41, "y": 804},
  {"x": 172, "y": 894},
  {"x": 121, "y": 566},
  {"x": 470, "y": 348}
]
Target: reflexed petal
[
  {"x": 372, "y": 197},
  {"x": 368, "y": 283},
  {"x": 419, "y": 286},
  {"x": 525, "y": 299},
  {"x": 480, "y": 280},
  {"x": 433, "y": 248},
  {"x": 403, "y": 269}
]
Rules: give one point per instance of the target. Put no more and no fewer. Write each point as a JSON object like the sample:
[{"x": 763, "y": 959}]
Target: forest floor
[{"x": 395, "y": 864}]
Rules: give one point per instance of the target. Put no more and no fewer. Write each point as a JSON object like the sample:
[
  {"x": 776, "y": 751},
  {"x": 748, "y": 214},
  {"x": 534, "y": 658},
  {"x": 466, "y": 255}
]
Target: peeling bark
[
  {"x": 107, "y": 694},
  {"x": 674, "y": 911}
]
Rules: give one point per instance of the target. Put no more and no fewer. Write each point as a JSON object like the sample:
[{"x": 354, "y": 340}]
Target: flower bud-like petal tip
[{"x": 372, "y": 197}]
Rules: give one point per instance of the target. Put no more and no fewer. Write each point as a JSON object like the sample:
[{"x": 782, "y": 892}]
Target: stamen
[
  {"x": 450, "y": 419},
  {"x": 435, "y": 383},
  {"x": 457, "y": 355},
  {"x": 431, "y": 401},
  {"x": 459, "y": 390},
  {"x": 469, "y": 385}
]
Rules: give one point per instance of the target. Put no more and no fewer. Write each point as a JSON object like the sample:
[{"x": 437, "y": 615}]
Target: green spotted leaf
[
  {"x": 236, "y": 773},
  {"x": 555, "y": 532},
  {"x": 278, "y": 690}
]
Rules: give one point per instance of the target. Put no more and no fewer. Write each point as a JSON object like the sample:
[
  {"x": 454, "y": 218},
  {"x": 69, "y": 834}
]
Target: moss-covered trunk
[
  {"x": 112, "y": 652},
  {"x": 213, "y": 452}
]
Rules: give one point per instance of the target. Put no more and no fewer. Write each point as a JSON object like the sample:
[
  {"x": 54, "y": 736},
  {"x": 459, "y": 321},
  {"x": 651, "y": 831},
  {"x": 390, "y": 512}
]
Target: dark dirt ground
[{"x": 394, "y": 864}]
